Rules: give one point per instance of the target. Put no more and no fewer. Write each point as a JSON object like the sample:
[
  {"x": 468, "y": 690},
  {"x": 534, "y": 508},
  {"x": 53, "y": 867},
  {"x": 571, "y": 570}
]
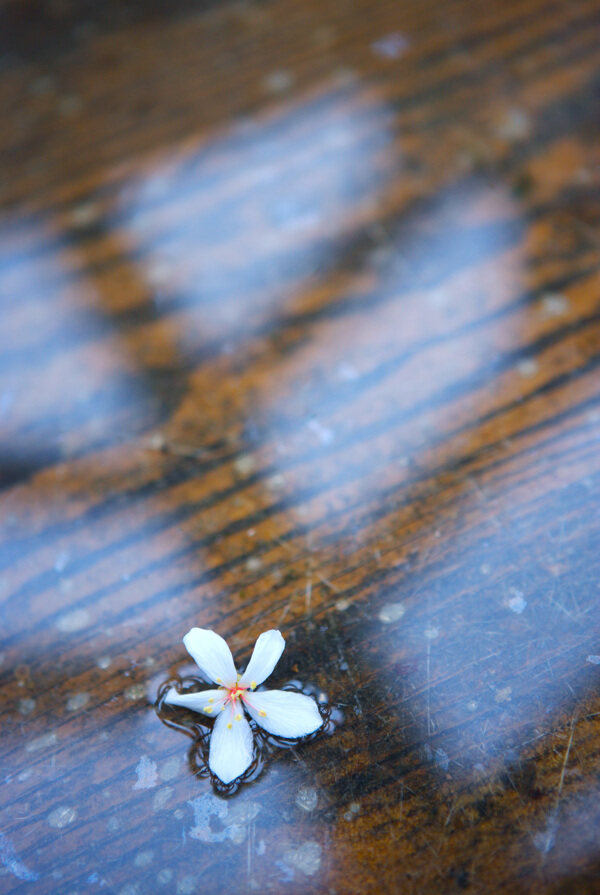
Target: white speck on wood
[
  {"x": 162, "y": 798},
  {"x": 44, "y": 742},
  {"x": 62, "y": 816},
  {"x": 323, "y": 433},
  {"x": 554, "y": 304},
  {"x": 441, "y": 759},
  {"x": 9, "y": 860},
  {"x": 186, "y": 885},
  {"x": 244, "y": 465},
  {"x": 503, "y": 695},
  {"x": 135, "y": 692},
  {"x": 233, "y": 824},
  {"x": 528, "y": 367},
  {"x": 146, "y": 773},
  {"x": 278, "y": 81},
  {"x": 26, "y": 706},
  {"x": 77, "y": 701},
  {"x": 391, "y": 46},
  {"x": 347, "y": 373},
  {"x": 170, "y": 768},
  {"x": 275, "y": 482},
  {"x": 74, "y": 621},
  {"x": 60, "y": 563},
  {"x": 307, "y": 798},
  {"x": 516, "y": 602},
  {"x": 306, "y": 858},
  {"x": 85, "y": 214},
  {"x": 391, "y": 612},
  {"x": 205, "y": 807},
  {"x": 514, "y": 125}
]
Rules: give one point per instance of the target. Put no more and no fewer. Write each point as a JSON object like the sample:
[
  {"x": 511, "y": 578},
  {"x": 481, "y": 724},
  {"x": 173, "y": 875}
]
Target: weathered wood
[{"x": 301, "y": 329}]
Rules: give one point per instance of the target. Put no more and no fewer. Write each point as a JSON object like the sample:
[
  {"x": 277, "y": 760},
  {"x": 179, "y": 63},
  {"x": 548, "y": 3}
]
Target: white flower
[{"x": 281, "y": 712}]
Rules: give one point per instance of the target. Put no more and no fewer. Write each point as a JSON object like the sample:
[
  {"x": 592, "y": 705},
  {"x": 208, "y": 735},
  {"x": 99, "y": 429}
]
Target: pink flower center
[{"x": 235, "y": 692}]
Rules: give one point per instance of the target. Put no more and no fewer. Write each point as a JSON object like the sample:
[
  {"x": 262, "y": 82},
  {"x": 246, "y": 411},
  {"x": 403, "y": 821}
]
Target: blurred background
[{"x": 300, "y": 328}]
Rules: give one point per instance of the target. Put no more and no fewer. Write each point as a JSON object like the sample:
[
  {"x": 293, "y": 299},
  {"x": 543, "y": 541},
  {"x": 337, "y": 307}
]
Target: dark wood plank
[{"x": 301, "y": 329}]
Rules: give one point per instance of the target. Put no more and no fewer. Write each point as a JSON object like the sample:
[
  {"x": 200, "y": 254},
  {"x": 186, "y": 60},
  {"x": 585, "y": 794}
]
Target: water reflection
[
  {"x": 411, "y": 345},
  {"x": 385, "y": 427},
  {"x": 68, "y": 385},
  {"x": 256, "y": 200}
]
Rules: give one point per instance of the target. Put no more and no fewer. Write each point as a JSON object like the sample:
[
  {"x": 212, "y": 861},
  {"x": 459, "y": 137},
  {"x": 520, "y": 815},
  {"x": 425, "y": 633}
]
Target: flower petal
[
  {"x": 231, "y": 745},
  {"x": 212, "y": 656},
  {"x": 207, "y": 701},
  {"x": 284, "y": 713},
  {"x": 267, "y": 650}
]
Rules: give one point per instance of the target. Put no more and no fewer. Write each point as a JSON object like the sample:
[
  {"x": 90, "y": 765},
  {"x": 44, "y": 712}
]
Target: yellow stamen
[
  {"x": 229, "y": 725},
  {"x": 253, "y": 685},
  {"x": 219, "y": 681},
  {"x": 262, "y": 713},
  {"x": 211, "y": 699},
  {"x": 238, "y": 717},
  {"x": 208, "y": 708}
]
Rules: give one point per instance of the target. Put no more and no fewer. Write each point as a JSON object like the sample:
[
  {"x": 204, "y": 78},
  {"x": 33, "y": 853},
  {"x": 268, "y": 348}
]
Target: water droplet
[
  {"x": 170, "y": 768},
  {"x": 528, "y": 367},
  {"x": 244, "y": 465},
  {"x": 26, "y": 706},
  {"x": 278, "y": 81},
  {"x": 135, "y": 692},
  {"x": 516, "y": 603},
  {"x": 146, "y": 773},
  {"x": 62, "y": 816},
  {"x": 44, "y": 742},
  {"x": 391, "y": 46},
  {"x": 307, "y": 798},
  {"x": 162, "y": 798},
  {"x": 391, "y": 612},
  {"x": 77, "y": 701},
  {"x": 74, "y": 621},
  {"x": 554, "y": 304},
  {"x": 306, "y": 858}
]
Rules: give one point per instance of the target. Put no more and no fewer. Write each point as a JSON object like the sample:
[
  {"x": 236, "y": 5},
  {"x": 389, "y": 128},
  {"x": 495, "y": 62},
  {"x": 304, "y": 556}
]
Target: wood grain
[{"x": 301, "y": 329}]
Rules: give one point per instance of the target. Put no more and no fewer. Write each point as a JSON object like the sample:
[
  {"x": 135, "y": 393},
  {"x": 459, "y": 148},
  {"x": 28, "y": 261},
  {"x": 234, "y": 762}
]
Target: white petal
[
  {"x": 231, "y": 745},
  {"x": 267, "y": 650},
  {"x": 212, "y": 656},
  {"x": 208, "y": 702},
  {"x": 285, "y": 714}
]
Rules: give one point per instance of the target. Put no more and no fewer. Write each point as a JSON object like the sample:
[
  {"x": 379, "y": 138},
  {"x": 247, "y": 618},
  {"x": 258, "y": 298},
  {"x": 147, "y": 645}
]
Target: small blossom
[{"x": 280, "y": 712}]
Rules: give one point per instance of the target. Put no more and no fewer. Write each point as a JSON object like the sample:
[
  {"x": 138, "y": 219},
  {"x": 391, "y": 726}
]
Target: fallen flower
[{"x": 280, "y": 712}]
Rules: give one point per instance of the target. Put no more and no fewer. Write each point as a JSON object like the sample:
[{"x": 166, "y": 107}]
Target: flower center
[{"x": 235, "y": 692}]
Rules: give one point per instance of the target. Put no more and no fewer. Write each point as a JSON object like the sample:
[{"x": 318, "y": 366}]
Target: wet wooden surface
[{"x": 301, "y": 329}]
